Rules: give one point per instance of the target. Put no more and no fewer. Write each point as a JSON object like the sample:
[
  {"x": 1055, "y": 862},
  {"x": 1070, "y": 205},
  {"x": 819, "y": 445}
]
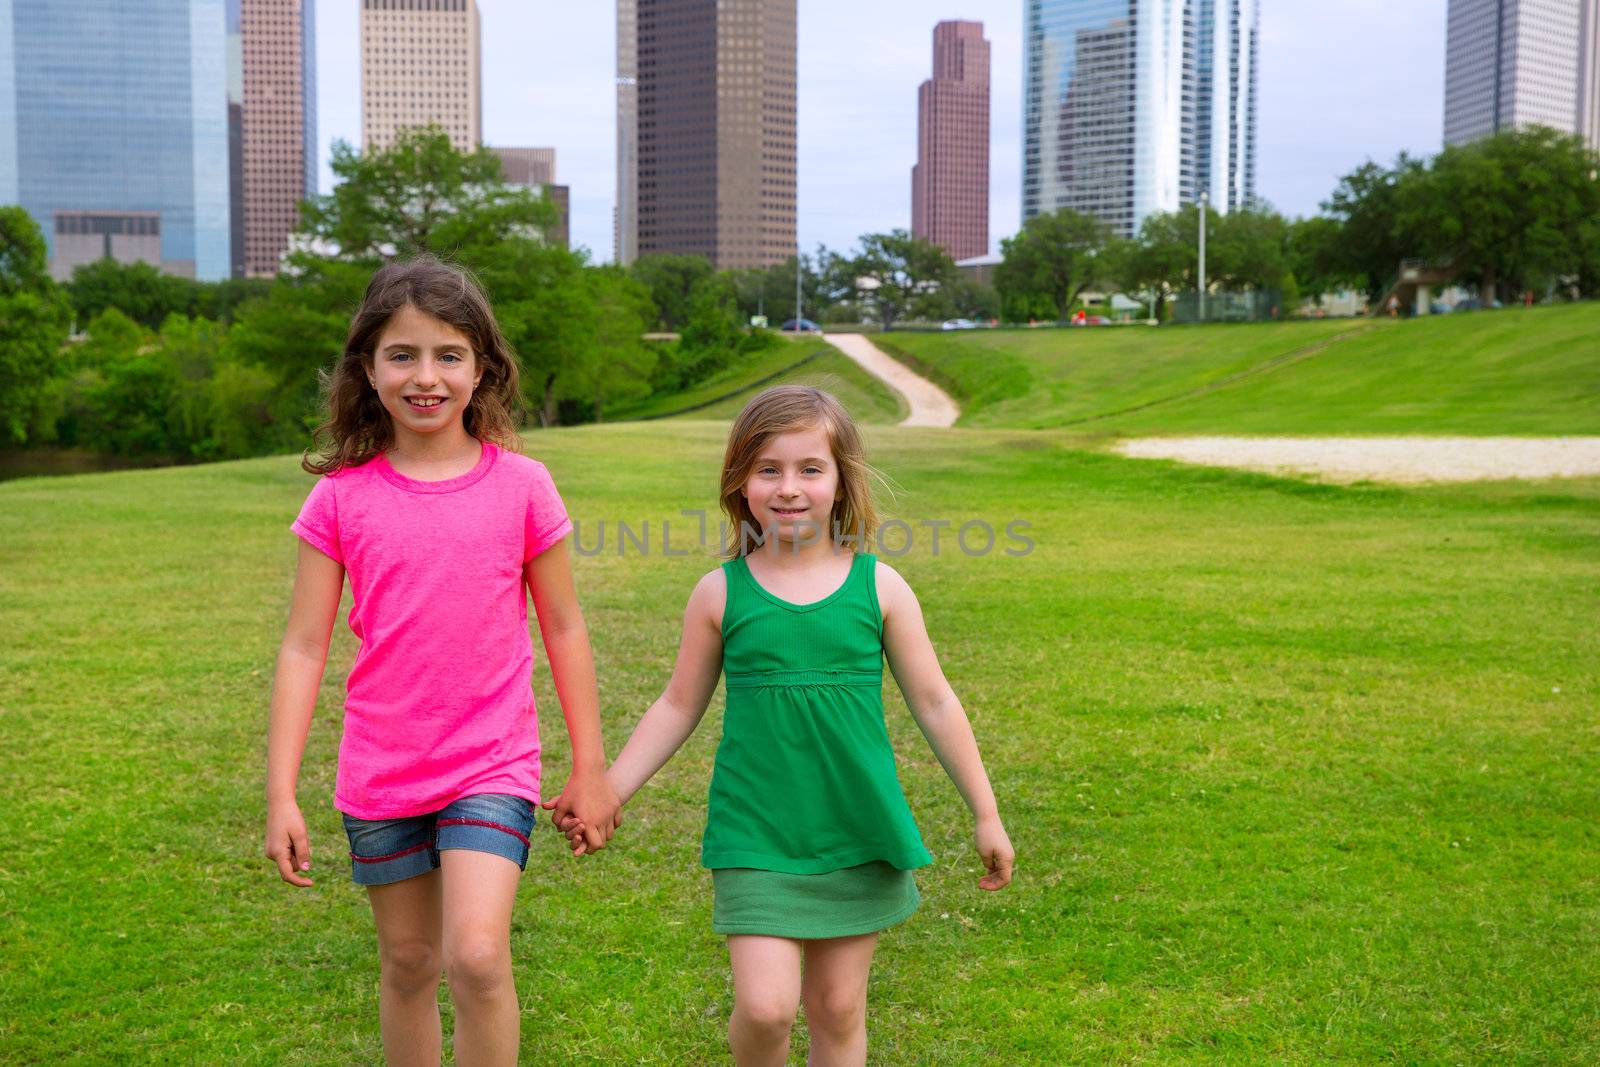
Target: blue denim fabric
[{"x": 390, "y": 850}]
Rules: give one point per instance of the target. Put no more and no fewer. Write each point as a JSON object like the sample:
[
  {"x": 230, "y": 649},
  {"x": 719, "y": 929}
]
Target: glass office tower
[
  {"x": 114, "y": 130},
  {"x": 1132, "y": 107},
  {"x": 1519, "y": 63}
]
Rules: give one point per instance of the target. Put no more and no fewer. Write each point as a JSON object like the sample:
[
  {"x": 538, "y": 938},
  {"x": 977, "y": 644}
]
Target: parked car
[
  {"x": 801, "y": 326},
  {"x": 958, "y": 324}
]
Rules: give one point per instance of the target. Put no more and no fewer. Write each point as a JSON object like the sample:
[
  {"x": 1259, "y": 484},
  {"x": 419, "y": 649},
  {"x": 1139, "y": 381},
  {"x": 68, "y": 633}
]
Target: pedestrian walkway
[{"x": 930, "y": 405}]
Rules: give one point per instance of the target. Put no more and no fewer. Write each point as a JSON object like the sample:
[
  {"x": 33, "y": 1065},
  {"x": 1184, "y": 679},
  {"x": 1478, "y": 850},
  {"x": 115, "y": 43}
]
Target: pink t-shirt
[{"x": 439, "y": 702}]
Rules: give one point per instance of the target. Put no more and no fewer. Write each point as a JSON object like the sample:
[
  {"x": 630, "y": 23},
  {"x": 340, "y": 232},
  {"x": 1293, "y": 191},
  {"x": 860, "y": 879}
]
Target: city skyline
[
  {"x": 1351, "y": 81},
  {"x": 1334, "y": 93}
]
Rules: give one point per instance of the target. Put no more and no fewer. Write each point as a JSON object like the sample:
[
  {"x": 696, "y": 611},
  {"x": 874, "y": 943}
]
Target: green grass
[
  {"x": 1519, "y": 371},
  {"x": 803, "y": 361},
  {"x": 1296, "y": 773}
]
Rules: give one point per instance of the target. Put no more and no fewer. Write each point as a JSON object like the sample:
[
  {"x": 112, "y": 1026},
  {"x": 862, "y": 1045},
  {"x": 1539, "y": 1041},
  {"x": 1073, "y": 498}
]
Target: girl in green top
[{"x": 808, "y": 836}]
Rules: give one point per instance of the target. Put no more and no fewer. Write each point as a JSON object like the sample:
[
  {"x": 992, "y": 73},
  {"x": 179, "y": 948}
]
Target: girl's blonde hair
[
  {"x": 357, "y": 427},
  {"x": 790, "y": 409}
]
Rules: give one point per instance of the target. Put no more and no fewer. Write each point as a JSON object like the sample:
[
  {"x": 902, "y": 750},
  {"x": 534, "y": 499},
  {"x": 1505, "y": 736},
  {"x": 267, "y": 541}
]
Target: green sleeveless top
[{"x": 804, "y": 781}]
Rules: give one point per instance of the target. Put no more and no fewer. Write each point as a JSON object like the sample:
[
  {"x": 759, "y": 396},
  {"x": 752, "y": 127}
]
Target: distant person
[
  {"x": 1394, "y": 306},
  {"x": 808, "y": 836},
  {"x": 443, "y": 528}
]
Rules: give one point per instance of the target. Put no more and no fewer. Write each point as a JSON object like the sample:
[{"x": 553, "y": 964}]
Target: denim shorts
[{"x": 391, "y": 850}]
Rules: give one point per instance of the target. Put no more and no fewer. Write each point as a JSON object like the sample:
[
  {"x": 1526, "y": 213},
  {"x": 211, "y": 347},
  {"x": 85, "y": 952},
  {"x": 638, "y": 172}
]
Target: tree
[
  {"x": 139, "y": 290},
  {"x": 1054, "y": 257},
  {"x": 622, "y": 361},
  {"x": 419, "y": 195},
  {"x": 1372, "y": 242},
  {"x": 1316, "y": 259},
  {"x": 1510, "y": 211},
  {"x": 1163, "y": 258},
  {"x": 34, "y": 319},
  {"x": 670, "y": 279},
  {"x": 899, "y": 273}
]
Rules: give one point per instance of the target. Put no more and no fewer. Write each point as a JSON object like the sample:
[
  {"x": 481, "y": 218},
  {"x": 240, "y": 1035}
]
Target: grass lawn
[
  {"x": 1296, "y": 773},
  {"x": 1518, "y": 371},
  {"x": 803, "y": 361}
]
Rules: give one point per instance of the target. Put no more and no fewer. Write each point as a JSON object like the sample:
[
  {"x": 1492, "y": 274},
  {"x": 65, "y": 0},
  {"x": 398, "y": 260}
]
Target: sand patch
[{"x": 1404, "y": 460}]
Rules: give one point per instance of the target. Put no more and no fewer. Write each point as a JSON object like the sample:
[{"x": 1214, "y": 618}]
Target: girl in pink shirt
[{"x": 443, "y": 528}]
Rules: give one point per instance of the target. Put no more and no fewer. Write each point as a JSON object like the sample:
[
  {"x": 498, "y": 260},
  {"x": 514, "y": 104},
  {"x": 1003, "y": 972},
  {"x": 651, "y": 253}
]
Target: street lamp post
[{"x": 1200, "y": 291}]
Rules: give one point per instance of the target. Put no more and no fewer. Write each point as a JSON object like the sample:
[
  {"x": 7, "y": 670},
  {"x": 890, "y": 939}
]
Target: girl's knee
[
  {"x": 839, "y": 1008},
  {"x": 411, "y": 966},
  {"x": 767, "y": 1011},
  {"x": 479, "y": 965}
]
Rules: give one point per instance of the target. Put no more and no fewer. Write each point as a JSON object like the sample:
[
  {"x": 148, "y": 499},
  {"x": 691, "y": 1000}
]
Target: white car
[{"x": 958, "y": 324}]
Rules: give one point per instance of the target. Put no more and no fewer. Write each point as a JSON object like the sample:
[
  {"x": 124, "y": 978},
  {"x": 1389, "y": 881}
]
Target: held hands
[
  {"x": 287, "y": 844},
  {"x": 995, "y": 849},
  {"x": 587, "y": 811}
]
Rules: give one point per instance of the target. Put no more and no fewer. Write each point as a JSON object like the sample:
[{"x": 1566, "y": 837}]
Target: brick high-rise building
[
  {"x": 420, "y": 65},
  {"x": 277, "y": 157},
  {"x": 1511, "y": 63},
  {"x": 950, "y": 181},
  {"x": 716, "y": 130}
]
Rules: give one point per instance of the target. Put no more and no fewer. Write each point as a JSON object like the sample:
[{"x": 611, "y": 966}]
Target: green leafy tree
[
  {"x": 547, "y": 313},
  {"x": 622, "y": 363},
  {"x": 139, "y": 290},
  {"x": 899, "y": 274},
  {"x": 1053, "y": 259},
  {"x": 670, "y": 279},
  {"x": 34, "y": 319},
  {"x": 419, "y": 195},
  {"x": 1163, "y": 259},
  {"x": 1316, "y": 258},
  {"x": 1366, "y": 205},
  {"x": 1511, "y": 211}
]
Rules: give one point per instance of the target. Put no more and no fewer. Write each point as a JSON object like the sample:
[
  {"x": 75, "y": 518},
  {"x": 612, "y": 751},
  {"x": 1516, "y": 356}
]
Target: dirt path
[
  {"x": 1405, "y": 460},
  {"x": 930, "y": 405}
]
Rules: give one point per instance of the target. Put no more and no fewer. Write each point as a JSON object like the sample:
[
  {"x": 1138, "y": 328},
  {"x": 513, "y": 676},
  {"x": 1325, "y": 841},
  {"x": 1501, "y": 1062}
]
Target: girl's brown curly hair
[{"x": 357, "y": 427}]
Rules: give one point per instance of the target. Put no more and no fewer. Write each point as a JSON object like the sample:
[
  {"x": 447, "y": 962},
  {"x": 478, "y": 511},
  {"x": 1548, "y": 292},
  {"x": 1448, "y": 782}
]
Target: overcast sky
[{"x": 1342, "y": 81}]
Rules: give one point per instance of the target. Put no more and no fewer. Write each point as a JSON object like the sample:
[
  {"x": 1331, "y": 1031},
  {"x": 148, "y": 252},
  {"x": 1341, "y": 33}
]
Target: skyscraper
[
  {"x": 1135, "y": 108},
  {"x": 1511, "y": 63},
  {"x": 716, "y": 130},
  {"x": 950, "y": 181},
  {"x": 627, "y": 216},
  {"x": 277, "y": 125},
  {"x": 114, "y": 130},
  {"x": 420, "y": 66}
]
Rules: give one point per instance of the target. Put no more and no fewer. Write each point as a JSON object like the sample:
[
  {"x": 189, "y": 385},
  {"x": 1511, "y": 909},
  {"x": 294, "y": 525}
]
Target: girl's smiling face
[
  {"x": 792, "y": 487},
  {"x": 424, "y": 371}
]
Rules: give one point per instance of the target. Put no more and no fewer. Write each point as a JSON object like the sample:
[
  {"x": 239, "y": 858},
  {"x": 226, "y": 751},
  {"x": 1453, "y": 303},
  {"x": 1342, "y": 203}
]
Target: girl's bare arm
[
  {"x": 566, "y": 643},
  {"x": 318, "y": 583},
  {"x": 942, "y": 719},
  {"x": 675, "y": 714}
]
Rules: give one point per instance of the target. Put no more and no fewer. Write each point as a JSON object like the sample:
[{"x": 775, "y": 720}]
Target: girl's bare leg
[
  {"x": 835, "y": 995},
  {"x": 479, "y": 892},
  {"x": 766, "y": 995},
  {"x": 411, "y": 960}
]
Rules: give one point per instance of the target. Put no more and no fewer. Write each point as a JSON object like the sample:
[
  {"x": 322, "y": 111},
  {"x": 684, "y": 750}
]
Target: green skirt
[{"x": 844, "y": 903}]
